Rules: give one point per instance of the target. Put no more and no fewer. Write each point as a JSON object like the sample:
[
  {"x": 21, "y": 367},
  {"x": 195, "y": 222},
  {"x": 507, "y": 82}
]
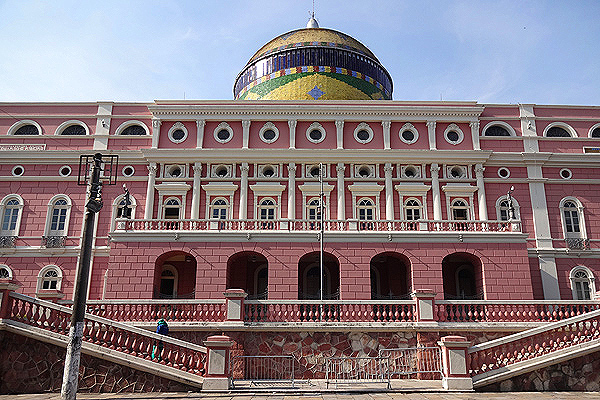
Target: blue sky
[{"x": 545, "y": 52}]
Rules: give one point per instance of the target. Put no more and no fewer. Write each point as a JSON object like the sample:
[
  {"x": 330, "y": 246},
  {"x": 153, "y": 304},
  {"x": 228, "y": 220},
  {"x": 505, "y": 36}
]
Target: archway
[
  {"x": 390, "y": 276},
  {"x": 248, "y": 270},
  {"x": 463, "y": 276},
  {"x": 309, "y": 281},
  {"x": 175, "y": 276}
]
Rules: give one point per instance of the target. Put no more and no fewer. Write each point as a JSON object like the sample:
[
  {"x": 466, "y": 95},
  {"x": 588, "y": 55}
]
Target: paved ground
[{"x": 322, "y": 396}]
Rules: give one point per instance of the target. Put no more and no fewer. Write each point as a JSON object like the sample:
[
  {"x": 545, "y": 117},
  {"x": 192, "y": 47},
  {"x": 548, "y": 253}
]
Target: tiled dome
[{"x": 313, "y": 64}]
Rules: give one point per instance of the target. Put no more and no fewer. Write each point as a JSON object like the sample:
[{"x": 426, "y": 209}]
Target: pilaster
[
  {"x": 431, "y": 134},
  {"x": 339, "y": 128},
  {"x": 196, "y": 190},
  {"x": 292, "y": 125},
  {"x": 148, "y": 211},
  {"x": 245, "y": 133},
  {"x": 341, "y": 191},
  {"x": 243, "y": 212},
  {"x": 291, "y": 209},
  {"x": 435, "y": 190},
  {"x": 483, "y": 215},
  {"x": 200, "y": 133},
  {"x": 475, "y": 134},
  {"x": 389, "y": 192},
  {"x": 386, "y": 134},
  {"x": 156, "y": 123}
]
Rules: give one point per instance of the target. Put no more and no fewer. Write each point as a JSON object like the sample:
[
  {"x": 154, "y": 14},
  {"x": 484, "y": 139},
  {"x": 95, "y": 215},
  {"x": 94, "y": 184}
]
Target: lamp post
[{"x": 93, "y": 205}]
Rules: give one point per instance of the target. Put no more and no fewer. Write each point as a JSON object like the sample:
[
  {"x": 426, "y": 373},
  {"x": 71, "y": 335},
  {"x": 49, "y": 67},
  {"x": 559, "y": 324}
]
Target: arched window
[
  {"x": 133, "y": 127},
  {"x": 266, "y": 212},
  {"x": 459, "y": 210},
  {"x": 5, "y": 272},
  {"x": 504, "y": 211},
  {"x": 219, "y": 209},
  {"x": 172, "y": 208},
  {"x": 413, "y": 210},
  {"x": 72, "y": 127},
  {"x": 496, "y": 130},
  {"x": 582, "y": 283},
  {"x": 49, "y": 278},
  {"x": 10, "y": 209},
  {"x": 559, "y": 129},
  {"x": 57, "y": 219},
  {"x": 25, "y": 127},
  {"x": 366, "y": 212},
  {"x": 571, "y": 212},
  {"x": 168, "y": 282}
]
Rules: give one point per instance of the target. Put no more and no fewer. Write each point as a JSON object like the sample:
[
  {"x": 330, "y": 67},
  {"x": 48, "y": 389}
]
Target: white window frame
[
  {"x": 226, "y": 207},
  {"x": 41, "y": 278},
  {"x": 266, "y": 127},
  {"x": 116, "y": 205},
  {"x": 590, "y": 280},
  {"x": 592, "y": 129},
  {"x": 563, "y": 125},
  {"x": 466, "y": 207},
  {"x": 59, "y": 130},
  {"x": 165, "y": 206},
  {"x": 310, "y": 190},
  {"x": 461, "y": 135},
  {"x": 215, "y": 190},
  {"x": 360, "y": 191},
  {"x": 510, "y": 129},
  {"x": 177, "y": 126},
  {"x": 363, "y": 126},
  {"x": 582, "y": 234},
  {"x": 219, "y": 128},
  {"x": 319, "y": 127},
  {"x": 127, "y": 124},
  {"x": 408, "y": 127},
  {"x": 50, "y": 215},
  {"x": 499, "y": 208},
  {"x": 19, "y": 207},
  {"x": 405, "y": 207},
  {"x": 275, "y": 207},
  {"x": 15, "y": 127},
  {"x": 264, "y": 190},
  {"x": 8, "y": 269}
]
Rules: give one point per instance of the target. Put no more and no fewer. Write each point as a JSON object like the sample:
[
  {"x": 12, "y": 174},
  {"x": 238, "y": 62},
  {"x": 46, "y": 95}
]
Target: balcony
[
  {"x": 144, "y": 230},
  {"x": 577, "y": 243}
]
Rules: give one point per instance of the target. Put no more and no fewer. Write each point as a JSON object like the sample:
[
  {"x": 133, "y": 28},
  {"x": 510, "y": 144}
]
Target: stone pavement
[{"x": 321, "y": 396}]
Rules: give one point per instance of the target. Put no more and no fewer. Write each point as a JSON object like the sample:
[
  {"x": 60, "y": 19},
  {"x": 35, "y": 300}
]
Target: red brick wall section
[{"x": 30, "y": 366}]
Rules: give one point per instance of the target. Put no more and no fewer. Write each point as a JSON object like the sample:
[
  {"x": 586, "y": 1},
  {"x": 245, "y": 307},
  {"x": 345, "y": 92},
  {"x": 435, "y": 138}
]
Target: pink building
[{"x": 469, "y": 201}]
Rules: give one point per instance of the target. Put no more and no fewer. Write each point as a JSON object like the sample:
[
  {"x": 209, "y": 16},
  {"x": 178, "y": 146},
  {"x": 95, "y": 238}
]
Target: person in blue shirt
[{"x": 162, "y": 328}]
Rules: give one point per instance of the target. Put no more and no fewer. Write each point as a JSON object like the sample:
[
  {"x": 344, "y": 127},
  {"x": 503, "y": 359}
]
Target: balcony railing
[
  {"x": 8, "y": 241},
  {"x": 578, "y": 243},
  {"x": 53, "y": 242},
  {"x": 300, "y": 225}
]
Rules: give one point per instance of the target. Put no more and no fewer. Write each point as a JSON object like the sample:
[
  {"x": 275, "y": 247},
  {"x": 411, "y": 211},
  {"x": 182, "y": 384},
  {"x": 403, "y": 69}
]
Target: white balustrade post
[
  {"x": 234, "y": 304},
  {"x": 455, "y": 363},
  {"x": 424, "y": 304},
  {"x": 218, "y": 371}
]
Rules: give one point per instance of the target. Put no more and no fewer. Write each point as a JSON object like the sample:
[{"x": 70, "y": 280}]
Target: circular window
[
  {"x": 453, "y": 134},
  {"x": 457, "y": 172},
  {"x": 410, "y": 172},
  {"x": 178, "y": 133},
  {"x": 315, "y": 133},
  {"x": 364, "y": 171},
  {"x": 363, "y": 133},
  {"x": 268, "y": 171},
  {"x": 175, "y": 171},
  {"x": 314, "y": 171},
  {"x": 408, "y": 134},
  {"x": 18, "y": 170},
  {"x": 65, "y": 170},
  {"x": 503, "y": 172},
  {"x": 223, "y": 133},
  {"x": 565, "y": 173},
  {"x": 221, "y": 171},
  {"x": 269, "y": 133},
  {"x": 128, "y": 170}
]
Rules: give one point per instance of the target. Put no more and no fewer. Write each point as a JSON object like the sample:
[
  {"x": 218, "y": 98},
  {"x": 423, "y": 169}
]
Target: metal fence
[
  {"x": 353, "y": 370},
  {"x": 424, "y": 362},
  {"x": 255, "y": 370}
]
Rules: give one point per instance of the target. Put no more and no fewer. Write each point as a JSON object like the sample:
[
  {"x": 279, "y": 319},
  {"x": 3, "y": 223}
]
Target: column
[
  {"x": 149, "y": 210},
  {"x": 386, "y": 134},
  {"x": 200, "y": 133},
  {"x": 341, "y": 191},
  {"x": 475, "y": 134},
  {"x": 425, "y": 305},
  {"x": 431, "y": 135},
  {"x": 292, "y": 125},
  {"x": 196, "y": 190},
  {"x": 155, "y": 132},
  {"x": 483, "y": 215},
  {"x": 243, "y": 214},
  {"x": 389, "y": 192},
  {"x": 291, "y": 191},
  {"x": 245, "y": 134},
  {"x": 435, "y": 189},
  {"x": 339, "y": 128}
]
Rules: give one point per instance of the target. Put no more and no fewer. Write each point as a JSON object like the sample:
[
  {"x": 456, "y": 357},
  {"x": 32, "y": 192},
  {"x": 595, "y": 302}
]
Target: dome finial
[{"x": 312, "y": 22}]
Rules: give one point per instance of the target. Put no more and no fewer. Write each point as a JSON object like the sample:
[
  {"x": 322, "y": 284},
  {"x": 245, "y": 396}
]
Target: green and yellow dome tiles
[{"x": 313, "y": 64}]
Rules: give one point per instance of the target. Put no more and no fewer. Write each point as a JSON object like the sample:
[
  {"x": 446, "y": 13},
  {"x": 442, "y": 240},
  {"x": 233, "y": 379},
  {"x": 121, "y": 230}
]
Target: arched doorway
[
  {"x": 175, "y": 276},
  {"x": 390, "y": 277},
  {"x": 309, "y": 276},
  {"x": 248, "y": 270},
  {"x": 463, "y": 276}
]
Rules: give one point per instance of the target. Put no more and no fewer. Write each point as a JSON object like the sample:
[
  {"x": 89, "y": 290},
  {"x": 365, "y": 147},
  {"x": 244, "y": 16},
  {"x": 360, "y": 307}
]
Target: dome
[{"x": 313, "y": 64}]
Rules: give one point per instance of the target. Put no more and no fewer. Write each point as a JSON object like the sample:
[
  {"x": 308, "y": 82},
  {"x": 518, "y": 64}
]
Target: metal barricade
[
  {"x": 265, "y": 370},
  {"x": 356, "y": 370},
  {"x": 425, "y": 362}
]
